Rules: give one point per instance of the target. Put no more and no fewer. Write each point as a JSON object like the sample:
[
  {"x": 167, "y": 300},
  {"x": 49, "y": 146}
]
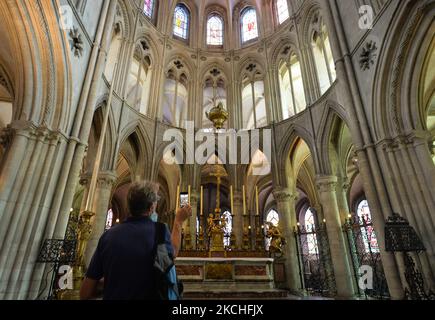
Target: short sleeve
[{"x": 95, "y": 269}]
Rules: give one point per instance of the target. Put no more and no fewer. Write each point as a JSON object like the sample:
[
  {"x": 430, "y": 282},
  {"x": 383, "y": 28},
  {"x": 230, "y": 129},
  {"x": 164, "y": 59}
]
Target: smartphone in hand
[{"x": 184, "y": 199}]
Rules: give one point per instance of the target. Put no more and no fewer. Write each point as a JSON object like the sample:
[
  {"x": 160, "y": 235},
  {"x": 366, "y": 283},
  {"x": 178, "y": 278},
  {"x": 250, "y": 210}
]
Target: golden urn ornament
[{"x": 218, "y": 115}]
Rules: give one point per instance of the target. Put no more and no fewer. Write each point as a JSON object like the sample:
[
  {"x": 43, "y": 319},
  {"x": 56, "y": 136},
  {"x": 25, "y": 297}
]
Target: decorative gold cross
[{"x": 218, "y": 176}]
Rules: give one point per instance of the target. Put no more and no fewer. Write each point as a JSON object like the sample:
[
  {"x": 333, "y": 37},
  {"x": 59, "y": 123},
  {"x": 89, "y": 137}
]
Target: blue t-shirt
[{"x": 124, "y": 258}]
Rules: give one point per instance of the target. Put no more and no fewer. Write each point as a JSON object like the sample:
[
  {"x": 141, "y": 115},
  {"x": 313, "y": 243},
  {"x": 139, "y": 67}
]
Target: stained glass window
[
  {"x": 148, "y": 8},
  {"x": 181, "y": 21},
  {"x": 310, "y": 226},
  {"x": 368, "y": 233},
  {"x": 215, "y": 31},
  {"x": 249, "y": 25},
  {"x": 282, "y": 10}
]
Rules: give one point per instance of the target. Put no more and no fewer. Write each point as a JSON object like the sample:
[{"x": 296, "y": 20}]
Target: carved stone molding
[
  {"x": 76, "y": 42},
  {"x": 326, "y": 183},
  {"x": 405, "y": 140},
  {"x": 106, "y": 180},
  {"x": 84, "y": 179},
  {"x": 399, "y": 62},
  {"x": 368, "y": 55},
  {"x": 284, "y": 195},
  {"x": 194, "y": 198},
  {"x": 343, "y": 184}
]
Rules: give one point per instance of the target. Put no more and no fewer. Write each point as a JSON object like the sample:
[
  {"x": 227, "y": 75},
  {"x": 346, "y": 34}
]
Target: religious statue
[
  {"x": 215, "y": 224},
  {"x": 210, "y": 224},
  {"x": 215, "y": 230},
  {"x": 277, "y": 240}
]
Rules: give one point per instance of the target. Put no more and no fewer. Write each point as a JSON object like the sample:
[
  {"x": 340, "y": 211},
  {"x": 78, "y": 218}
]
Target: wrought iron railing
[
  {"x": 315, "y": 264},
  {"x": 364, "y": 251}
]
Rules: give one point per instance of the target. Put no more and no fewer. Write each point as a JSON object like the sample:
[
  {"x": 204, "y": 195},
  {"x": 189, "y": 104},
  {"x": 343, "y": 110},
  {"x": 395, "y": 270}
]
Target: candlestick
[
  {"x": 244, "y": 200},
  {"x": 177, "y": 202},
  {"x": 201, "y": 210},
  {"x": 257, "y": 201},
  {"x": 188, "y": 194},
  {"x": 232, "y": 200}
]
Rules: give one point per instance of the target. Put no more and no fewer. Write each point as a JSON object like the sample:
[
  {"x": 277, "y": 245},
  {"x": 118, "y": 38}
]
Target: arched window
[
  {"x": 249, "y": 26},
  {"x": 282, "y": 10},
  {"x": 109, "y": 219},
  {"x": 254, "y": 105},
  {"x": 273, "y": 218},
  {"x": 181, "y": 21},
  {"x": 175, "y": 99},
  {"x": 228, "y": 229},
  {"x": 113, "y": 54},
  {"x": 323, "y": 58},
  {"x": 292, "y": 88},
  {"x": 310, "y": 226},
  {"x": 149, "y": 8},
  {"x": 138, "y": 85},
  {"x": 215, "y": 30},
  {"x": 368, "y": 234}
]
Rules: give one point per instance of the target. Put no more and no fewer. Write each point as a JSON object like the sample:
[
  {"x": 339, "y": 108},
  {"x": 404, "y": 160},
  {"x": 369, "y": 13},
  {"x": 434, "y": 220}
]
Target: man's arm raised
[{"x": 182, "y": 215}]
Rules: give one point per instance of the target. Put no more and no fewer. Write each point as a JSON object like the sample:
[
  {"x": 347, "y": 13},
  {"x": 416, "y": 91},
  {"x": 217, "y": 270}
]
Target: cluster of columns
[
  {"x": 397, "y": 175},
  {"x": 100, "y": 207},
  {"x": 27, "y": 186},
  {"x": 334, "y": 212},
  {"x": 410, "y": 172}
]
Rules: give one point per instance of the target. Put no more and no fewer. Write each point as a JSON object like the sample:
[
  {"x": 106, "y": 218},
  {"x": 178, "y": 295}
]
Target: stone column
[
  {"x": 286, "y": 201},
  {"x": 404, "y": 202},
  {"x": 392, "y": 265},
  {"x": 193, "y": 220},
  {"x": 368, "y": 163},
  {"x": 100, "y": 208},
  {"x": 238, "y": 219},
  {"x": 339, "y": 254}
]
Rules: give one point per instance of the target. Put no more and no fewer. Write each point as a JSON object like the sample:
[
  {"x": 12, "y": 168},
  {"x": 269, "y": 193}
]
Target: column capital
[
  {"x": 284, "y": 194},
  {"x": 194, "y": 197},
  {"x": 326, "y": 183},
  {"x": 343, "y": 183},
  {"x": 107, "y": 179},
  {"x": 85, "y": 178}
]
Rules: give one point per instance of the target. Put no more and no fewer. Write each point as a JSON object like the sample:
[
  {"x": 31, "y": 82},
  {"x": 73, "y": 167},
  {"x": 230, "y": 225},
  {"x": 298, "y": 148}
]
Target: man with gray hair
[{"x": 124, "y": 255}]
